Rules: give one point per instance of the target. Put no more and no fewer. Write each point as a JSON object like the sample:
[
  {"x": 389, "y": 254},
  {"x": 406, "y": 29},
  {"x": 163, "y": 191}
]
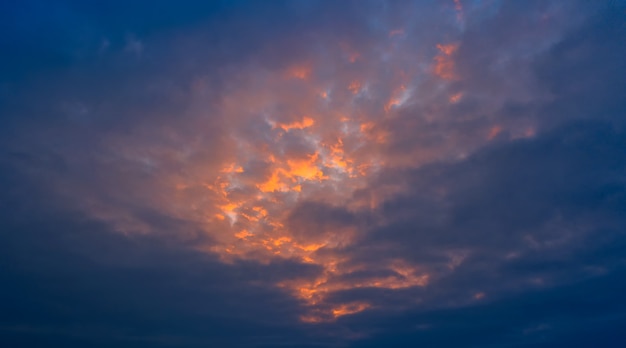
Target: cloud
[
  {"x": 296, "y": 173},
  {"x": 73, "y": 280}
]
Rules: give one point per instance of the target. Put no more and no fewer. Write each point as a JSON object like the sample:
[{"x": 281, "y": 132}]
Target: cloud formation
[{"x": 312, "y": 173}]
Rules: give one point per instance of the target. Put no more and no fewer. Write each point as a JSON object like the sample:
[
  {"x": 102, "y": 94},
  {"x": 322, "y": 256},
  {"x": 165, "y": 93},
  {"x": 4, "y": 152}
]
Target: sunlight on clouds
[
  {"x": 318, "y": 129},
  {"x": 494, "y": 131},
  {"x": 305, "y": 123},
  {"x": 444, "y": 62},
  {"x": 354, "y": 87},
  {"x": 313, "y": 173},
  {"x": 301, "y": 72},
  {"x": 455, "y": 98},
  {"x": 314, "y": 292},
  {"x": 305, "y": 169}
]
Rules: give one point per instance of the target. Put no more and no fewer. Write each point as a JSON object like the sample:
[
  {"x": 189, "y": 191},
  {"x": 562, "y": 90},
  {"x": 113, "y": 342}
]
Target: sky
[{"x": 303, "y": 173}]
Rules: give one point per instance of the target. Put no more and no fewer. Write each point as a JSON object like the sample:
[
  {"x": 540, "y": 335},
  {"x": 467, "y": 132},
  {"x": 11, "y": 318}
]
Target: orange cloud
[
  {"x": 373, "y": 133},
  {"x": 399, "y": 96},
  {"x": 307, "y": 169},
  {"x": 455, "y": 98},
  {"x": 232, "y": 168},
  {"x": 349, "y": 308},
  {"x": 273, "y": 184},
  {"x": 444, "y": 62},
  {"x": 448, "y": 49},
  {"x": 244, "y": 198},
  {"x": 302, "y": 72},
  {"x": 314, "y": 292},
  {"x": 494, "y": 131},
  {"x": 305, "y": 123},
  {"x": 337, "y": 156},
  {"x": 354, "y": 87},
  {"x": 244, "y": 206},
  {"x": 243, "y": 234}
]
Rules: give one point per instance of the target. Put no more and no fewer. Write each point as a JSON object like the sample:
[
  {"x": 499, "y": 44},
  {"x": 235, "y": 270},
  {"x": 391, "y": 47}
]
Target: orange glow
[
  {"x": 260, "y": 210},
  {"x": 350, "y": 308},
  {"x": 232, "y": 168},
  {"x": 306, "y": 169},
  {"x": 229, "y": 208},
  {"x": 322, "y": 132},
  {"x": 302, "y": 72},
  {"x": 455, "y": 98},
  {"x": 373, "y": 133},
  {"x": 337, "y": 156},
  {"x": 305, "y": 123},
  {"x": 312, "y": 247},
  {"x": 494, "y": 131},
  {"x": 448, "y": 49},
  {"x": 397, "y": 99},
  {"x": 273, "y": 184},
  {"x": 354, "y": 87},
  {"x": 444, "y": 63},
  {"x": 248, "y": 196},
  {"x": 391, "y": 103},
  {"x": 353, "y": 57},
  {"x": 280, "y": 241},
  {"x": 314, "y": 292},
  {"x": 243, "y": 234},
  {"x": 366, "y": 127}
]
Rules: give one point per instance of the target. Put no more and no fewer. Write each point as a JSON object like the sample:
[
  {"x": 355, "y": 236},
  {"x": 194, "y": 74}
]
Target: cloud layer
[{"x": 309, "y": 173}]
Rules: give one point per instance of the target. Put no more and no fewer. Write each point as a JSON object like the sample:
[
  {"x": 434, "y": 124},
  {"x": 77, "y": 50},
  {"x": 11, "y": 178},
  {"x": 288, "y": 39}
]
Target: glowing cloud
[
  {"x": 444, "y": 62},
  {"x": 494, "y": 131},
  {"x": 301, "y": 72},
  {"x": 326, "y": 127},
  {"x": 305, "y": 123}
]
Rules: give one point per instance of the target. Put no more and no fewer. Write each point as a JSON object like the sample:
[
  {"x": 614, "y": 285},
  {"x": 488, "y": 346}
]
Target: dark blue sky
[{"x": 313, "y": 173}]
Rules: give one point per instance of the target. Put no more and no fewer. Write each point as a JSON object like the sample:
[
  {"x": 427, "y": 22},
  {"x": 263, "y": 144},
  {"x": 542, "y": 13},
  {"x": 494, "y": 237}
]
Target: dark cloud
[
  {"x": 73, "y": 281},
  {"x": 580, "y": 314},
  {"x": 583, "y": 72},
  {"x": 315, "y": 222}
]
